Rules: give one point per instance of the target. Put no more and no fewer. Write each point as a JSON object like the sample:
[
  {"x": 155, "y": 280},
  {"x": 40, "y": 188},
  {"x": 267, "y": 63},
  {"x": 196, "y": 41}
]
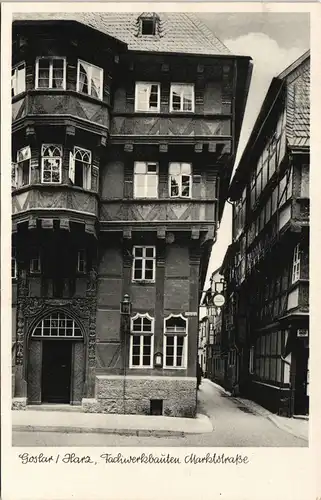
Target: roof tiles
[{"x": 178, "y": 32}]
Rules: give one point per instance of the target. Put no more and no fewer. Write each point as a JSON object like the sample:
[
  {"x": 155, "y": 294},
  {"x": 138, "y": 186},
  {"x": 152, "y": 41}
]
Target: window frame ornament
[
  {"x": 176, "y": 334},
  {"x": 142, "y": 335},
  {"x": 182, "y": 86},
  {"x": 90, "y": 66},
  {"x": 51, "y": 59},
  {"x": 141, "y": 109},
  {"x": 58, "y": 147},
  {"x": 86, "y": 167}
]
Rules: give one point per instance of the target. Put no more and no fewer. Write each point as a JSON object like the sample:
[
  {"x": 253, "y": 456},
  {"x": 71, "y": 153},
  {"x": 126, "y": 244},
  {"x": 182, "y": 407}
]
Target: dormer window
[{"x": 148, "y": 24}]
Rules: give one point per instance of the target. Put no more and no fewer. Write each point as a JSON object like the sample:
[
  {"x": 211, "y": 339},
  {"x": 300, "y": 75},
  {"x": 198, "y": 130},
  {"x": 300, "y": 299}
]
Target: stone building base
[{"x": 134, "y": 395}]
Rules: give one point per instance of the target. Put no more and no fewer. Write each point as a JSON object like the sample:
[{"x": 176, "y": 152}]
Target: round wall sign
[{"x": 218, "y": 300}]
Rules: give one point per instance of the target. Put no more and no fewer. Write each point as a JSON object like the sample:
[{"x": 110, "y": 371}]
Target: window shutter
[
  {"x": 71, "y": 167},
  {"x": 94, "y": 178}
]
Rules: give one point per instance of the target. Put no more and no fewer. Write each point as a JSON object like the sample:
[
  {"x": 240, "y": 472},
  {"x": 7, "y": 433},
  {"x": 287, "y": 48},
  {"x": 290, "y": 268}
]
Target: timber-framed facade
[{"x": 122, "y": 150}]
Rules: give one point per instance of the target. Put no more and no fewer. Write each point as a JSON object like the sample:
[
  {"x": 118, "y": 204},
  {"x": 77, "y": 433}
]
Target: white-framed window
[
  {"x": 21, "y": 168},
  {"x": 145, "y": 179},
  {"x": 35, "y": 261},
  {"x": 296, "y": 264},
  {"x": 144, "y": 263},
  {"x": 147, "y": 97},
  {"x": 182, "y": 97},
  {"x": 175, "y": 341},
  {"x": 141, "y": 349},
  {"x": 57, "y": 324},
  {"x": 14, "y": 266},
  {"x": 18, "y": 79},
  {"x": 51, "y": 161},
  {"x": 80, "y": 167},
  {"x": 90, "y": 79},
  {"x": 81, "y": 261},
  {"x": 51, "y": 73},
  {"x": 180, "y": 180}
]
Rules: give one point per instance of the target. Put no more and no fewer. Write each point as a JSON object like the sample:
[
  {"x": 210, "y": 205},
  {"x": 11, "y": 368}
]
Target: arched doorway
[{"x": 56, "y": 364}]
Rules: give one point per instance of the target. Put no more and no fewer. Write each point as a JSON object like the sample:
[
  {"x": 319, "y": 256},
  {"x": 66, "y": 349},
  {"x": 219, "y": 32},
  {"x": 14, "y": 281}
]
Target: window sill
[
  {"x": 174, "y": 367},
  {"x": 143, "y": 282},
  {"x": 57, "y": 92}
]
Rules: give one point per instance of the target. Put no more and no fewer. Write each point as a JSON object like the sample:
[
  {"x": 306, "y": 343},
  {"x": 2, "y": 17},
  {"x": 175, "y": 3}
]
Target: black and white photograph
[
  {"x": 160, "y": 288},
  {"x": 159, "y": 232}
]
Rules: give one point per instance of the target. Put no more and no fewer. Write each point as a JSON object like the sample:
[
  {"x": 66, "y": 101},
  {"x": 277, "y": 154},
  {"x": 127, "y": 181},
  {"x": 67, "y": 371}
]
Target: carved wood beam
[
  {"x": 195, "y": 234},
  {"x": 128, "y": 147},
  {"x": 65, "y": 224},
  {"x": 198, "y": 148},
  {"x": 161, "y": 233},
  {"x": 163, "y": 148},
  {"x": 127, "y": 233},
  {"x": 47, "y": 223}
]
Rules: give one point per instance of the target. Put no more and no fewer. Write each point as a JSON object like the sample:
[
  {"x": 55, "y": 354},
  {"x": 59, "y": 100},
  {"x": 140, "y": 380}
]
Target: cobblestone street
[{"x": 234, "y": 424}]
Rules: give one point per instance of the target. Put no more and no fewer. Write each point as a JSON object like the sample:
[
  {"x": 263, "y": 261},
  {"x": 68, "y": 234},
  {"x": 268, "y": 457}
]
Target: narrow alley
[{"x": 234, "y": 424}]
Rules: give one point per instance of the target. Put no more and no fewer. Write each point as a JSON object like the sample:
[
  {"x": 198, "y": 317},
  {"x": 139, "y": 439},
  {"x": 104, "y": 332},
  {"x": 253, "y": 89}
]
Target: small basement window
[{"x": 156, "y": 407}]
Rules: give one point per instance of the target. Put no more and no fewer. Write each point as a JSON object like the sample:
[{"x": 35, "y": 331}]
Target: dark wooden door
[
  {"x": 301, "y": 398},
  {"x": 56, "y": 371}
]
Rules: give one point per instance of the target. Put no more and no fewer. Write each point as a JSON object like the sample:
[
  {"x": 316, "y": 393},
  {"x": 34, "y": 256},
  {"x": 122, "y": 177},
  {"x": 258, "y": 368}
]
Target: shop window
[
  {"x": 90, "y": 79},
  {"x": 175, "y": 342},
  {"x": 141, "y": 341},
  {"x": 145, "y": 180},
  {"x": 182, "y": 97},
  {"x": 21, "y": 168},
  {"x": 144, "y": 263},
  {"x": 296, "y": 264},
  {"x": 147, "y": 97},
  {"x": 18, "y": 79},
  {"x": 80, "y": 167},
  {"x": 51, "y": 73},
  {"x": 180, "y": 180},
  {"x": 51, "y": 162}
]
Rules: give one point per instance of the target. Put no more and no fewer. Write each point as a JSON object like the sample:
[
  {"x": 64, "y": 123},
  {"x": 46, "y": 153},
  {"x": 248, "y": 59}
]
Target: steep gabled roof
[
  {"x": 178, "y": 32},
  {"x": 295, "y": 81}
]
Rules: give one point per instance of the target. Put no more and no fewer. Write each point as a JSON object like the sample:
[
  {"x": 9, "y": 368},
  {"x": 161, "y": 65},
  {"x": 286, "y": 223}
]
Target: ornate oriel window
[
  {"x": 51, "y": 161},
  {"x": 21, "y": 168},
  {"x": 57, "y": 325},
  {"x": 80, "y": 167},
  {"x": 145, "y": 179},
  {"x": 175, "y": 341},
  {"x": 141, "y": 341},
  {"x": 90, "y": 79},
  {"x": 51, "y": 73},
  {"x": 18, "y": 79}
]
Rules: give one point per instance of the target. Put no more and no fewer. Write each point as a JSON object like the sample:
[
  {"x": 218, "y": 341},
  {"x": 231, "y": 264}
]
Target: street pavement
[{"x": 234, "y": 424}]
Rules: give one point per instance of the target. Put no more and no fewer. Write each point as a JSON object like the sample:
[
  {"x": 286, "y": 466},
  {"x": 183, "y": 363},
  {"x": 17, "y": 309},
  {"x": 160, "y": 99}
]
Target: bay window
[
  {"x": 147, "y": 96},
  {"x": 145, "y": 179},
  {"x": 182, "y": 97},
  {"x": 21, "y": 168},
  {"x": 90, "y": 79},
  {"x": 51, "y": 162},
  {"x": 141, "y": 341},
  {"x": 18, "y": 79},
  {"x": 80, "y": 167},
  {"x": 175, "y": 341},
  {"x": 180, "y": 180},
  {"x": 51, "y": 73}
]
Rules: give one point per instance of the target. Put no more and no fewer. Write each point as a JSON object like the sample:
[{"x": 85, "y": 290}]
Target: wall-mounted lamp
[{"x": 125, "y": 305}]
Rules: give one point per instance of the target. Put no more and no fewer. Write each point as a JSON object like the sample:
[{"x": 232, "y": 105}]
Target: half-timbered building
[
  {"x": 124, "y": 132},
  {"x": 266, "y": 316}
]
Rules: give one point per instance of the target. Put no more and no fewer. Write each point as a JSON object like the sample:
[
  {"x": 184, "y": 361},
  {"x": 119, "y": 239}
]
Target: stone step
[{"x": 55, "y": 407}]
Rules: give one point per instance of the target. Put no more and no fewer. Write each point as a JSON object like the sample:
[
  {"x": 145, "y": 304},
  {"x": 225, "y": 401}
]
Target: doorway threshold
[{"x": 55, "y": 407}]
